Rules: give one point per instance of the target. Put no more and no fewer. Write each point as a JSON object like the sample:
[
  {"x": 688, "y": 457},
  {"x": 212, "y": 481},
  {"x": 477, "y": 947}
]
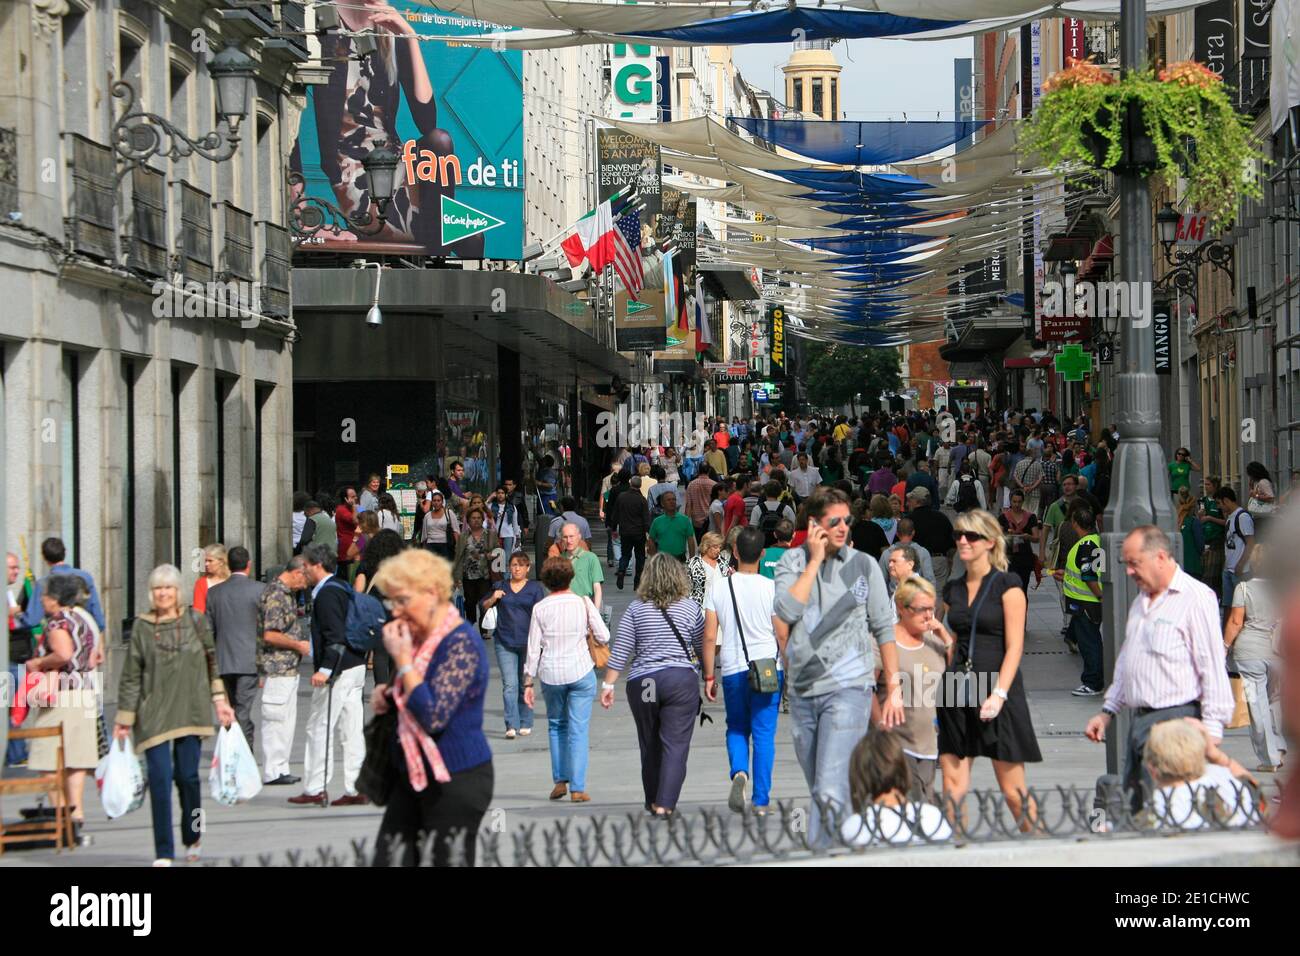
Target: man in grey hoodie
[{"x": 837, "y": 612}]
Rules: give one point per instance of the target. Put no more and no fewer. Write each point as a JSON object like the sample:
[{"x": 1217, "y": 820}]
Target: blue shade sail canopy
[
  {"x": 778, "y": 26},
  {"x": 852, "y": 181},
  {"x": 859, "y": 143}
]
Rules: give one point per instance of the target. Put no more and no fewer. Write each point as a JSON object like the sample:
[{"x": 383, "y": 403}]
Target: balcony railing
[
  {"x": 91, "y": 224},
  {"x": 195, "y": 245},
  {"x": 1248, "y": 82},
  {"x": 147, "y": 251},
  {"x": 276, "y": 256}
]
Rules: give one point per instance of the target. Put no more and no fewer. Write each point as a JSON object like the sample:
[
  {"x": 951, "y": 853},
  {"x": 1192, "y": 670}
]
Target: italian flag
[{"x": 592, "y": 238}]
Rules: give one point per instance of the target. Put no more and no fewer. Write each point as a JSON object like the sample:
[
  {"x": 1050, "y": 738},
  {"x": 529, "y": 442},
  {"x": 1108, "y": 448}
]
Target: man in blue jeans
[
  {"x": 21, "y": 645},
  {"x": 1238, "y": 543},
  {"x": 832, "y": 602},
  {"x": 738, "y": 620}
]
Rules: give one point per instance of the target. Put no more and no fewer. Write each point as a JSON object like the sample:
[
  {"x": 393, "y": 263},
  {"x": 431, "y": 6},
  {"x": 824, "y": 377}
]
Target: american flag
[{"x": 627, "y": 252}]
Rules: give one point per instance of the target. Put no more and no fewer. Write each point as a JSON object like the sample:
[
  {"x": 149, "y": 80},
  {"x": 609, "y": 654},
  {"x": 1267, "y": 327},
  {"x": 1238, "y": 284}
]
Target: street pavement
[{"x": 267, "y": 824}]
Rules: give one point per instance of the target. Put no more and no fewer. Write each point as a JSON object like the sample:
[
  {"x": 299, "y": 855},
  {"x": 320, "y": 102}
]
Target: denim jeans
[
  {"x": 1230, "y": 582},
  {"x": 826, "y": 728},
  {"x": 174, "y": 761},
  {"x": 16, "y": 752},
  {"x": 1258, "y": 677},
  {"x": 519, "y": 716},
  {"x": 751, "y": 717},
  {"x": 1088, "y": 636},
  {"x": 568, "y": 718}
]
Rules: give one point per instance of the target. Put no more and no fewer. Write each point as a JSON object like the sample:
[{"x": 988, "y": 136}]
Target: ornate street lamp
[
  {"x": 1185, "y": 266},
  {"x": 139, "y": 135},
  {"x": 309, "y": 215}
]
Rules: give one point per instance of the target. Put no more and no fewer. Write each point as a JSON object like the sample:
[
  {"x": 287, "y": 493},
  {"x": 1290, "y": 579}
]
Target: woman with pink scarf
[{"x": 441, "y": 761}]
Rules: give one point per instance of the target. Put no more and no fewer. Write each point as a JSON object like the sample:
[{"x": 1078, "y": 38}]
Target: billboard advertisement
[
  {"x": 453, "y": 114},
  {"x": 622, "y": 158},
  {"x": 639, "y": 324}
]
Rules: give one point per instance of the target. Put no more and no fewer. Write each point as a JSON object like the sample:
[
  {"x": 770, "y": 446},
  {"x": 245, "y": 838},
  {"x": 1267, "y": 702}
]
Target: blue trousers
[
  {"x": 511, "y": 661},
  {"x": 751, "y": 718},
  {"x": 174, "y": 761},
  {"x": 16, "y": 751},
  {"x": 568, "y": 719}
]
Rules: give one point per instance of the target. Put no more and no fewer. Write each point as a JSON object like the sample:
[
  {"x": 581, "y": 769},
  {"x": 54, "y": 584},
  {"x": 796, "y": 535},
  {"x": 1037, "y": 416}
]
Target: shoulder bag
[
  {"x": 762, "y": 673},
  {"x": 690, "y": 656},
  {"x": 966, "y": 686},
  {"x": 377, "y": 775},
  {"x": 598, "y": 650}
]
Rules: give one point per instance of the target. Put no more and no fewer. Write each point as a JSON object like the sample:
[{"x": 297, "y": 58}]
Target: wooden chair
[{"x": 58, "y": 829}]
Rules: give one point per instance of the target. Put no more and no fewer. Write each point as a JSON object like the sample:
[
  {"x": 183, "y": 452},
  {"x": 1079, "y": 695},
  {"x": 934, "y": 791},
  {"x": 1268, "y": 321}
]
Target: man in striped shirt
[
  {"x": 832, "y": 603},
  {"x": 1172, "y": 662}
]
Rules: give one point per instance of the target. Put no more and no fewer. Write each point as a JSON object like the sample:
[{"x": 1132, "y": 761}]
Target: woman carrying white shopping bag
[{"x": 167, "y": 694}]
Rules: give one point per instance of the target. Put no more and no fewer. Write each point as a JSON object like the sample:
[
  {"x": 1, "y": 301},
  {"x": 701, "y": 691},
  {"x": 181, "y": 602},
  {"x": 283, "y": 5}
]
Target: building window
[
  {"x": 796, "y": 94},
  {"x": 76, "y": 119},
  {"x": 178, "y": 386},
  {"x": 128, "y": 65},
  {"x": 262, "y": 395},
  {"x": 817, "y": 95},
  {"x": 70, "y": 457},
  {"x": 835, "y": 97},
  {"x": 129, "y": 378},
  {"x": 224, "y": 386}
]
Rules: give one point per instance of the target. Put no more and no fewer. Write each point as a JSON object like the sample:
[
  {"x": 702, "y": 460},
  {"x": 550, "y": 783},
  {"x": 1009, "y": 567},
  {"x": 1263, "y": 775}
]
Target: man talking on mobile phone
[{"x": 840, "y": 621}]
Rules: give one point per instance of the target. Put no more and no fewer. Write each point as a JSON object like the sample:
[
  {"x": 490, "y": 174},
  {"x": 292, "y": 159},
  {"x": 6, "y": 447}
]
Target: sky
[{"x": 882, "y": 79}]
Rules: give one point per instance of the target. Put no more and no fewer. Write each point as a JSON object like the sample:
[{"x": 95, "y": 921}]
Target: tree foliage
[{"x": 837, "y": 373}]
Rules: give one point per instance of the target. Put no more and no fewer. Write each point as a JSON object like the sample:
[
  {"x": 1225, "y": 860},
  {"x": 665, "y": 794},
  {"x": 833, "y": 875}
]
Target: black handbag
[
  {"x": 763, "y": 677},
  {"x": 376, "y": 779},
  {"x": 966, "y": 685},
  {"x": 690, "y": 656}
]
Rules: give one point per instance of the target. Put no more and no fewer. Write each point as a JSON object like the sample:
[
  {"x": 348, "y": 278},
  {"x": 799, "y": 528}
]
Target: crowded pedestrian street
[{"x": 650, "y": 433}]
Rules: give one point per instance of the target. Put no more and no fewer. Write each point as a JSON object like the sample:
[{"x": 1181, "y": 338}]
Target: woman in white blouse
[{"x": 559, "y": 656}]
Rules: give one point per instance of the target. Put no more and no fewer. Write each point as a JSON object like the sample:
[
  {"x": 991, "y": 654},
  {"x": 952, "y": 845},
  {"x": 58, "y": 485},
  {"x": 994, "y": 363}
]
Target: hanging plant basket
[{"x": 1140, "y": 123}]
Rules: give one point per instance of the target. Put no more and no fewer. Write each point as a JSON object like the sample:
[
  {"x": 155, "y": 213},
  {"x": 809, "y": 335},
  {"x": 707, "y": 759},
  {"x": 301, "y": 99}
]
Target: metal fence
[{"x": 715, "y": 836}]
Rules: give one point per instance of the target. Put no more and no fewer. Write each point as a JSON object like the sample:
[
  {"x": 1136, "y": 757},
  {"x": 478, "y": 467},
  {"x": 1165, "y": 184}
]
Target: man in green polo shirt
[
  {"x": 1213, "y": 522},
  {"x": 587, "y": 572},
  {"x": 672, "y": 532}
]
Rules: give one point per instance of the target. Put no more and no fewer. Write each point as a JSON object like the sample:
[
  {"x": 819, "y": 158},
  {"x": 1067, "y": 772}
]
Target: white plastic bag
[
  {"x": 489, "y": 622},
  {"x": 121, "y": 780},
  {"x": 234, "y": 777}
]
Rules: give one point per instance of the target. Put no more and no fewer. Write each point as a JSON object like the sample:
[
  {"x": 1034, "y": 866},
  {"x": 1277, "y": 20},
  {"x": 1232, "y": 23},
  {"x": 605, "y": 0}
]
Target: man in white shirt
[
  {"x": 1238, "y": 541},
  {"x": 739, "y": 624},
  {"x": 1172, "y": 662},
  {"x": 804, "y": 478}
]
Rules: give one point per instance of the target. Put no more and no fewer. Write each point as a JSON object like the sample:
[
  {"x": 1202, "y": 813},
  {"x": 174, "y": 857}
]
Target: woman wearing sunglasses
[{"x": 986, "y": 609}]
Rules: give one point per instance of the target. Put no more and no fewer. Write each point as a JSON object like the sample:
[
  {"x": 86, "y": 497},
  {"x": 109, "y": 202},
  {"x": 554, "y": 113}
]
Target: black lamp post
[
  {"x": 1184, "y": 271},
  {"x": 309, "y": 215},
  {"x": 138, "y": 136}
]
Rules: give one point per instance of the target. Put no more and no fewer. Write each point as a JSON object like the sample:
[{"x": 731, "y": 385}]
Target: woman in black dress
[
  {"x": 997, "y": 724},
  {"x": 1022, "y": 529}
]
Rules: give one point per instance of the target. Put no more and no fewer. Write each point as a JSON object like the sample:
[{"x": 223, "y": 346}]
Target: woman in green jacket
[{"x": 168, "y": 689}]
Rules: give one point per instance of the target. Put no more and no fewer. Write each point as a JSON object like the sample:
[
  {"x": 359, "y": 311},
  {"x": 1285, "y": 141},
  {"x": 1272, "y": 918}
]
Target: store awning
[
  {"x": 730, "y": 280},
  {"x": 985, "y": 338},
  {"x": 430, "y": 314}
]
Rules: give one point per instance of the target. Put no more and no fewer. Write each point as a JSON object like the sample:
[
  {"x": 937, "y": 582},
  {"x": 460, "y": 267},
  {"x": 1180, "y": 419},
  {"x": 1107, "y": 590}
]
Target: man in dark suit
[
  {"x": 232, "y": 609},
  {"x": 336, "y": 685}
]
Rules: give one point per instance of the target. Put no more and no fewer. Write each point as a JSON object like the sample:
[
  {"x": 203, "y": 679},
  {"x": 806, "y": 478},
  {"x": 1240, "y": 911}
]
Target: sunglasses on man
[{"x": 835, "y": 522}]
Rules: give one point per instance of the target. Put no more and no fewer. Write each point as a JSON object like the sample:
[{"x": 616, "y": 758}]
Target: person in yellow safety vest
[{"x": 1081, "y": 582}]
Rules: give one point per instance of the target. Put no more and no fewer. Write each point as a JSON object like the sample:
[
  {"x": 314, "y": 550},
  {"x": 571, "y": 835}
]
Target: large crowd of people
[{"x": 804, "y": 567}]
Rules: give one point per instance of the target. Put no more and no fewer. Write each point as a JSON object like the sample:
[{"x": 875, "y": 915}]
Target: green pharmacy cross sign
[{"x": 1073, "y": 363}]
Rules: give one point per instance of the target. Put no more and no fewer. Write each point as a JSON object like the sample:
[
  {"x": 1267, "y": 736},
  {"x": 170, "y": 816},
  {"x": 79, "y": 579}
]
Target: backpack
[
  {"x": 967, "y": 496},
  {"x": 364, "y": 630},
  {"x": 768, "y": 522}
]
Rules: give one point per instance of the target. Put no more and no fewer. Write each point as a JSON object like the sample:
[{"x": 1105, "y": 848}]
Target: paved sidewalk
[{"x": 523, "y": 780}]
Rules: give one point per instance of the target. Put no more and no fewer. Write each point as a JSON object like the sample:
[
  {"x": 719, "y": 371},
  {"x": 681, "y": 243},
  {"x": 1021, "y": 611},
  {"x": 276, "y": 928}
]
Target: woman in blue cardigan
[{"x": 441, "y": 759}]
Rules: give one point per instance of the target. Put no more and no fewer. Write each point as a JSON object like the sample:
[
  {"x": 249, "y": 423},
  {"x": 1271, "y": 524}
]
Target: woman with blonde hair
[
  {"x": 216, "y": 568},
  {"x": 441, "y": 772},
  {"x": 924, "y": 646},
  {"x": 167, "y": 693},
  {"x": 706, "y": 566},
  {"x": 984, "y": 712}
]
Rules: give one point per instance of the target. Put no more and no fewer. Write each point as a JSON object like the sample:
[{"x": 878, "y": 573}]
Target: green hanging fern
[{"x": 1080, "y": 119}]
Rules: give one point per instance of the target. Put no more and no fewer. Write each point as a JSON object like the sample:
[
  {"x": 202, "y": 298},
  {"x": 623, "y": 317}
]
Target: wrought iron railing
[{"x": 712, "y": 836}]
